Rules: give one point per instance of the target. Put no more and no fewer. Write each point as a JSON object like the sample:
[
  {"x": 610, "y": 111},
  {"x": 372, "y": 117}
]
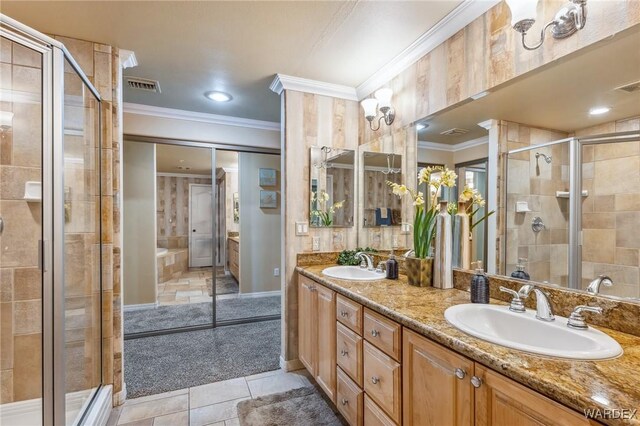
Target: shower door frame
[
  {"x": 51, "y": 246},
  {"x": 574, "y": 267}
]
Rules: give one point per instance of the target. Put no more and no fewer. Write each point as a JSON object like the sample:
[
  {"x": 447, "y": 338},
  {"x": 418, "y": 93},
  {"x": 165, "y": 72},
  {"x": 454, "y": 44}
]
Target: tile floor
[
  {"x": 191, "y": 287},
  {"x": 212, "y": 404}
]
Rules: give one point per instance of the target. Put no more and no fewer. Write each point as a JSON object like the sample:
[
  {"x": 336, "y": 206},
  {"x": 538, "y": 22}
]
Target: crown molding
[
  {"x": 201, "y": 117},
  {"x": 436, "y": 146},
  {"x": 488, "y": 124},
  {"x": 286, "y": 82},
  {"x": 128, "y": 59},
  {"x": 458, "y": 18}
]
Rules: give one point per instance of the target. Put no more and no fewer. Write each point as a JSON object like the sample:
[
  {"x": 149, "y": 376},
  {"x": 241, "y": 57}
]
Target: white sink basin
[
  {"x": 354, "y": 273},
  {"x": 523, "y": 331}
]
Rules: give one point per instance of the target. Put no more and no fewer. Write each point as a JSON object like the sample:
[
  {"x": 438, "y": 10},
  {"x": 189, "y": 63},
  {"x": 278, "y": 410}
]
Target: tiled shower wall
[
  {"x": 611, "y": 212},
  {"x": 173, "y": 210},
  {"x": 536, "y": 182}
]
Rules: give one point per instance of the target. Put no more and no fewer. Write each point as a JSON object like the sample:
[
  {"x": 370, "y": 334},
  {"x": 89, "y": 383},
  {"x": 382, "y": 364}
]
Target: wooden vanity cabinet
[
  {"x": 432, "y": 392},
  {"x": 317, "y": 333}
]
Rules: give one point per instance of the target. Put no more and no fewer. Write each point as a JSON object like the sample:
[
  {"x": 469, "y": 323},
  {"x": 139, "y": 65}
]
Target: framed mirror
[
  {"x": 380, "y": 206},
  {"x": 332, "y": 181}
]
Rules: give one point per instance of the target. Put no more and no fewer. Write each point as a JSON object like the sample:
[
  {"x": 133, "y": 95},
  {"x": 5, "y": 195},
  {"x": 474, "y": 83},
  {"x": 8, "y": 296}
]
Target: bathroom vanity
[
  {"x": 233, "y": 259},
  {"x": 383, "y": 352}
]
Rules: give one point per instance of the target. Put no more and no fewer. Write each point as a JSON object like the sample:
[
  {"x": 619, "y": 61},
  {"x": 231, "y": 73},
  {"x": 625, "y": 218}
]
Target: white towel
[{"x": 383, "y": 212}]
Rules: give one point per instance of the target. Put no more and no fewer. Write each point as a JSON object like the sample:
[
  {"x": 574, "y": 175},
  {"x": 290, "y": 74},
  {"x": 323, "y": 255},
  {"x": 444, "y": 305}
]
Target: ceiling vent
[
  {"x": 630, "y": 88},
  {"x": 454, "y": 132},
  {"x": 145, "y": 84}
]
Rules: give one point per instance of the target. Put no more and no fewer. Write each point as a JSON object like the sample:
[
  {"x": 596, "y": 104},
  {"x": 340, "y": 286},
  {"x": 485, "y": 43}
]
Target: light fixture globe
[
  {"x": 370, "y": 107},
  {"x": 384, "y": 99},
  {"x": 523, "y": 14}
]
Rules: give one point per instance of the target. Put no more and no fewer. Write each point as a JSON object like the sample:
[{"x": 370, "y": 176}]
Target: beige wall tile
[
  {"x": 27, "y": 317},
  {"x": 627, "y": 256},
  {"x": 598, "y": 245},
  {"x": 627, "y": 234},
  {"x": 24, "y": 56},
  {"x": 27, "y": 284},
  {"x": 6, "y": 386},
  {"x": 6, "y": 284},
  {"x": 616, "y": 176},
  {"x": 27, "y": 367},
  {"x": 627, "y": 202},
  {"x": 6, "y": 335}
]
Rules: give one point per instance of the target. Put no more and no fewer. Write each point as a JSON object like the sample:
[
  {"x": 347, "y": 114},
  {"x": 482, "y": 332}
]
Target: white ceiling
[
  {"x": 557, "y": 96},
  {"x": 238, "y": 47}
]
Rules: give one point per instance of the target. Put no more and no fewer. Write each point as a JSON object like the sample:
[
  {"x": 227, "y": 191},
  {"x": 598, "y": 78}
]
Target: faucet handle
[
  {"x": 516, "y": 302},
  {"x": 576, "y": 319},
  {"x": 381, "y": 267}
]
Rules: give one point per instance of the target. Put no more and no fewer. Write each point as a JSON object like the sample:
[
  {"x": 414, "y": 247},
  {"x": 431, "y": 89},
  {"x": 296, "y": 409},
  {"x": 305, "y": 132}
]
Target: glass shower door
[
  {"x": 82, "y": 245},
  {"x": 21, "y": 229}
]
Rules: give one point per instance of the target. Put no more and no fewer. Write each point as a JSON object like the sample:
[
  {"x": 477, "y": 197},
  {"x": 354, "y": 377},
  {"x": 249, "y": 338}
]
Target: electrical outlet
[
  {"x": 302, "y": 228},
  {"x": 316, "y": 244},
  {"x": 276, "y": 272}
]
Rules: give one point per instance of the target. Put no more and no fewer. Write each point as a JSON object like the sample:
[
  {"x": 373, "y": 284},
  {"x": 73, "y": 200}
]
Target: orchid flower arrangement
[
  {"x": 320, "y": 210},
  {"x": 425, "y": 215}
]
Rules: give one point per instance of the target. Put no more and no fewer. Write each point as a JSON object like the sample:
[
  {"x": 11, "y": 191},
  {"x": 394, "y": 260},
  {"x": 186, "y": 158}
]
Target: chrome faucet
[
  {"x": 366, "y": 259},
  {"x": 594, "y": 286},
  {"x": 544, "y": 311}
]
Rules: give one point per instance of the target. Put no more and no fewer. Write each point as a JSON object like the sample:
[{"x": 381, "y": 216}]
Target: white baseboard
[
  {"x": 140, "y": 307},
  {"x": 101, "y": 410},
  {"x": 260, "y": 294},
  {"x": 291, "y": 365}
]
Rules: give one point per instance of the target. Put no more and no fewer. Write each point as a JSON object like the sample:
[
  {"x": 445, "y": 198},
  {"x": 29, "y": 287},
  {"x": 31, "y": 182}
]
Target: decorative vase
[
  {"x": 442, "y": 266},
  {"x": 419, "y": 271},
  {"x": 461, "y": 242}
]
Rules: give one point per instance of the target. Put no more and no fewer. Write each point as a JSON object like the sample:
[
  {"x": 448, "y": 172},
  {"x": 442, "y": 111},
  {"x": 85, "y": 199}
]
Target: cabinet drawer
[
  {"x": 349, "y": 313},
  {"x": 349, "y": 399},
  {"x": 382, "y": 381},
  {"x": 383, "y": 333},
  {"x": 374, "y": 416},
  {"x": 349, "y": 352}
]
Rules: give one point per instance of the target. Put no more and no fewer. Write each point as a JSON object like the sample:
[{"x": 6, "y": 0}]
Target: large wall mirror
[
  {"x": 332, "y": 189},
  {"x": 380, "y": 207},
  {"x": 560, "y": 165}
]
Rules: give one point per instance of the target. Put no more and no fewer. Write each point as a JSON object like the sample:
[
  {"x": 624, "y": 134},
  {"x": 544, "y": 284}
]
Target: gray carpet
[
  {"x": 176, "y": 361},
  {"x": 165, "y": 317},
  {"x": 298, "y": 407},
  {"x": 225, "y": 284}
]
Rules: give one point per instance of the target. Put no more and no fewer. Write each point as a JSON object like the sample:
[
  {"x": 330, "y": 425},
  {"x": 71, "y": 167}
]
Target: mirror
[
  {"x": 380, "y": 206},
  {"x": 537, "y": 139},
  {"x": 332, "y": 189},
  {"x": 236, "y": 207}
]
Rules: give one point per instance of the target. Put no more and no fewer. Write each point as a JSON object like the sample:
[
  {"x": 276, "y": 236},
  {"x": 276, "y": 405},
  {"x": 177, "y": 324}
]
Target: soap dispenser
[
  {"x": 480, "y": 289},
  {"x": 392, "y": 267},
  {"x": 520, "y": 273}
]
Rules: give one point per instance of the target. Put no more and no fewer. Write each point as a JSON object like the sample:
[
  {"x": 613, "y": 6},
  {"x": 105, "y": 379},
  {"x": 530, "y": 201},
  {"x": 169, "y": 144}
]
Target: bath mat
[
  {"x": 297, "y": 407},
  {"x": 225, "y": 284}
]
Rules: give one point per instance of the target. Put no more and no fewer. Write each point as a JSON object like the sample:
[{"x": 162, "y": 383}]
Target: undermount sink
[
  {"x": 354, "y": 273},
  {"x": 523, "y": 331}
]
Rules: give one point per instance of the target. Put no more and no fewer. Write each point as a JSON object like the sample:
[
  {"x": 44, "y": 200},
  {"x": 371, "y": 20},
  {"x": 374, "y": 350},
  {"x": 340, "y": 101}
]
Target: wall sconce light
[
  {"x": 571, "y": 18},
  {"x": 382, "y": 102}
]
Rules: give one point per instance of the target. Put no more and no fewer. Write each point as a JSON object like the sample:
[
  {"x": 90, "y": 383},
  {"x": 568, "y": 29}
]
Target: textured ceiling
[{"x": 238, "y": 47}]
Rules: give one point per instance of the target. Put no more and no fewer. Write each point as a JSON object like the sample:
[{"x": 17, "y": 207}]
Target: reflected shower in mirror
[
  {"x": 380, "y": 206},
  {"x": 332, "y": 189}
]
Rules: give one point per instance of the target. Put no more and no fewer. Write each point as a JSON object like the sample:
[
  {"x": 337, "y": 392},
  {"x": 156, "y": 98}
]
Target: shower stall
[
  {"x": 50, "y": 234},
  {"x": 573, "y": 210}
]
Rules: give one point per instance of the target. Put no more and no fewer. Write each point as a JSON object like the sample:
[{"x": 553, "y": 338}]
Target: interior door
[{"x": 201, "y": 224}]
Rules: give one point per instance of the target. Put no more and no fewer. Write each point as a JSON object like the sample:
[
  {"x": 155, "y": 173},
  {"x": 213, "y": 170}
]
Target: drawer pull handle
[
  {"x": 476, "y": 381},
  {"x": 375, "y": 333},
  {"x": 344, "y": 401},
  {"x": 375, "y": 380},
  {"x": 460, "y": 373},
  {"x": 344, "y": 313},
  {"x": 344, "y": 352}
]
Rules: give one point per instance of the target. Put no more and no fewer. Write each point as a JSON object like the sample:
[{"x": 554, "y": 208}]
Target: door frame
[{"x": 213, "y": 227}]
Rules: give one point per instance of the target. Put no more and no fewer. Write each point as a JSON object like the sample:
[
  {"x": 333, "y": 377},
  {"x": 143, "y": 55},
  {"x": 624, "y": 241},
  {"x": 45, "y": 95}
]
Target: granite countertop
[{"x": 608, "y": 384}]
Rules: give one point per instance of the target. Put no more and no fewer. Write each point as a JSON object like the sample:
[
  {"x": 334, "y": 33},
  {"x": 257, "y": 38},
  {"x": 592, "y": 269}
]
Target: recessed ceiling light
[
  {"x": 599, "y": 110},
  {"x": 421, "y": 126},
  {"x": 218, "y": 96}
]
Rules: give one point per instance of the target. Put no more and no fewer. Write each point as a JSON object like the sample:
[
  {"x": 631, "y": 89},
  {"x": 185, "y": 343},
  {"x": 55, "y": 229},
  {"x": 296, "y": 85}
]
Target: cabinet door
[
  {"x": 307, "y": 319},
  {"x": 432, "y": 393},
  {"x": 326, "y": 343},
  {"x": 502, "y": 402}
]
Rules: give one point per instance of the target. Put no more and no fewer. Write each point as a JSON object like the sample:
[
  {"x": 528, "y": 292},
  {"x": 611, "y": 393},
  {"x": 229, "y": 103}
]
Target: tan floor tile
[
  {"x": 276, "y": 383},
  {"x": 154, "y": 408},
  {"x": 265, "y": 374},
  {"x": 214, "y": 413},
  {"x": 180, "y": 418},
  {"x": 156, "y": 396},
  {"x": 143, "y": 422},
  {"x": 232, "y": 422},
  {"x": 218, "y": 392}
]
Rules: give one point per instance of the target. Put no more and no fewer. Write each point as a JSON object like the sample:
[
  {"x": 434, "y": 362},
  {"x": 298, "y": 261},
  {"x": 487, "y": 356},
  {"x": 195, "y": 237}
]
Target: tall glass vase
[
  {"x": 442, "y": 267},
  {"x": 461, "y": 242}
]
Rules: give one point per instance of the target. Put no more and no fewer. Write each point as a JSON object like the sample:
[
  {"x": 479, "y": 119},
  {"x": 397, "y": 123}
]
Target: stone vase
[
  {"x": 461, "y": 238},
  {"x": 443, "y": 265},
  {"x": 419, "y": 271}
]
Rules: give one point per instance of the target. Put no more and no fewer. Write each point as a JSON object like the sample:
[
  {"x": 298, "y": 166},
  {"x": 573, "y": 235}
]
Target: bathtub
[{"x": 161, "y": 251}]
